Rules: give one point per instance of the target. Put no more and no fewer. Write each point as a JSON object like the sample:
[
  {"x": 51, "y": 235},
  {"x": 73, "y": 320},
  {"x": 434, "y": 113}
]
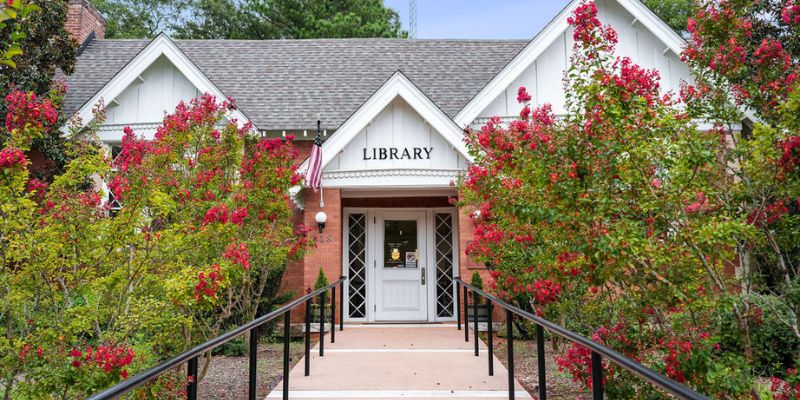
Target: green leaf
[{"x": 12, "y": 51}]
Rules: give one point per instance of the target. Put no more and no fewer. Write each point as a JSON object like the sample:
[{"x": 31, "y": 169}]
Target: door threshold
[{"x": 400, "y": 322}]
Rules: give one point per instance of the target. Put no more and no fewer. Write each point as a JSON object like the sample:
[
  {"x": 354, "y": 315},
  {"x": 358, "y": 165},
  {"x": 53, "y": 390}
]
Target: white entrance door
[{"x": 401, "y": 292}]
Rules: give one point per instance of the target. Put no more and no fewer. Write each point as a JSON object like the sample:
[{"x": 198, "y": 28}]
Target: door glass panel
[{"x": 400, "y": 244}]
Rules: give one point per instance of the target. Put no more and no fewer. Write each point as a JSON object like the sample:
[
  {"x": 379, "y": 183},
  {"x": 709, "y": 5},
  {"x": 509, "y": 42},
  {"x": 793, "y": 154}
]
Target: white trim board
[
  {"x": 160, "y": 46},
  {"x": 544, "y": 39},
  {"x": 399, "y": 325}
]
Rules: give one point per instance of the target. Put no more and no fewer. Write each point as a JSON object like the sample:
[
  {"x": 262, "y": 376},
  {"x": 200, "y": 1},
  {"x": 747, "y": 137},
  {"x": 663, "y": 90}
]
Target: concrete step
[
  {"x": 399, "y": 394},
  {"x": 399, "y": 361}
]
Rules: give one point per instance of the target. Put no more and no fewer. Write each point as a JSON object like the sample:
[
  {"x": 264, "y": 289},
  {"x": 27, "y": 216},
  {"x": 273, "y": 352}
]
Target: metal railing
[
  {"x": 598, "y": 351},
  {"x": 190, "y": 357}
]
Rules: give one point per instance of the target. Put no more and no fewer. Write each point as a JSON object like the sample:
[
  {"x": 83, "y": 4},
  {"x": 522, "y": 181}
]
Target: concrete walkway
[{"x": 399, "y": 361}]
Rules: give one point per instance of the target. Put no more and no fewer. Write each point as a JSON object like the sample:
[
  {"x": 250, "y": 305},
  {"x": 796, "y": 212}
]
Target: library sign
[{"x": 397, "y": 153}]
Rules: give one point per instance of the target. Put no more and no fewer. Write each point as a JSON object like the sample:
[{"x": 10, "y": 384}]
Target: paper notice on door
[{"x": 411, "y": 259}]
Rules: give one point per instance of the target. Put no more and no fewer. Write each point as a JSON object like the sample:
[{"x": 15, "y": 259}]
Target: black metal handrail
[
  {"x": 598, "y": 351},
  {"x": 190, "y": 357}
]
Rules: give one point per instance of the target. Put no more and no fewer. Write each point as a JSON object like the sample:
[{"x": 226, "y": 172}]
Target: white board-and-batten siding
[
  {"x": 399, "y": 127},
  {"x": 544, "y": 78},
  {"x": 145, "y": 102}
]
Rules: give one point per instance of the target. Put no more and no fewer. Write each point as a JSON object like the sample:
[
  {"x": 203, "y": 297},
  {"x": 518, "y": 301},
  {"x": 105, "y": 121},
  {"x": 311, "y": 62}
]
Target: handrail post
[
  {"x": 191, "y": 372},
  {"x": 341, "y": 302},
  {"x": 253, "y": 375},
  {"x": 475, "y": 319},
  {"x": 333, "y": 314},
  {"x": 307, "y": 338},
  {"x": 489, "y": 337},
  {"x": 322, "y": 324},
  {"x": 510, "y": 344},
  {"x": 466, "y": 315},
  {"x": 540, "y": 361},
  {"x": 458, "y": 304},
  {"x": 597, "y": 376},
  {"x": 286, "y": 326}
]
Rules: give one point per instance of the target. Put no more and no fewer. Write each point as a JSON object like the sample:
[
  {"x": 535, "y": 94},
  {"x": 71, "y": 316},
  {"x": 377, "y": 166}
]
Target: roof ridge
[{"x": 455, "y": 40}]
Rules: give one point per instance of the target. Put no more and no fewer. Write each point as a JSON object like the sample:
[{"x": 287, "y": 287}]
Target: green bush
[
  {"x": 234, "y": 348},
  {"x": 774, "y": 344},
  {"x": 321, "y": 282},
  {"x": 478, "y": 283}
]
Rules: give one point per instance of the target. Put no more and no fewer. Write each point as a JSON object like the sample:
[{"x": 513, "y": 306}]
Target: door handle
[{"x": 423, "y": 275}]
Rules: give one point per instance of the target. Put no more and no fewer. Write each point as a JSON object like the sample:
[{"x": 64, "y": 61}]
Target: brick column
[
  {"x": 327, "y": 252},
  {"x": 466, "y": 264}
]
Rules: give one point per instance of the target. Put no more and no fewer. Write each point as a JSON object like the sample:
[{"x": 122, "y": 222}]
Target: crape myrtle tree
[
  {"x": 745, "y": 55},
  {"x": 41, "y": 44},
  {"x": 91, "y": 293},
  {"x": 608, "y": 220}
]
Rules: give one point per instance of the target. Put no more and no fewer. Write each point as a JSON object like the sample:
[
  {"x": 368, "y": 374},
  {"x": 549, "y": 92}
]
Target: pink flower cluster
[
  {"x": 301, "y": 239},
  {"x": 770, "y": 214},
  {"x": 790, "y": 159},
  {"x": 239, "y": 215},
  {"x": 783, "y": 390},
  {"x": 216, "y": 214},
  {"x": 208, "y": 283},
  {"x": 636, "y": 79},
  {"x": 771, "y": 52},
  {"x": 133, "y": 151},
  {"x": 26, "y": 109},
  {"x": 238, "y": 254},
  {"x": 677, "y": 352},
  {"x": 11, "y": 157},
  {"x": 700, "y": 203},
  {"x": 545, "y": 291},
  {"x": 585, "y": 21},
  {"x": 523, "y": 96},
  {"x": 202, "y": 110},
  {"x": 109, "y": 358},
  {"x": 791, "y": 13},
  {"x": 588, "y": 31}
]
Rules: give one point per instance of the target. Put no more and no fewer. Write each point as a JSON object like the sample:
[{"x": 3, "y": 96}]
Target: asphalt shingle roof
[{"x": 283, "y": 84}]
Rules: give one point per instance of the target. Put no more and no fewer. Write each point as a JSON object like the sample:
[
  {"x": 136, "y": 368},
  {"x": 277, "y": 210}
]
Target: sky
[{"x": 478, "y": 19}]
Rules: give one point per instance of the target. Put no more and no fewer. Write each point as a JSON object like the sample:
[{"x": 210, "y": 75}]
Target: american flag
[{"x": 314, "y": 171}]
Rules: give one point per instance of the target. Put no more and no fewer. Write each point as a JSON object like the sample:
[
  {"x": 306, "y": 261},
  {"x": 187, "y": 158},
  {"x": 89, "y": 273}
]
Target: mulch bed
[
  {"x": 227, "y": 376},
  {"x": 559, "y": 384}
]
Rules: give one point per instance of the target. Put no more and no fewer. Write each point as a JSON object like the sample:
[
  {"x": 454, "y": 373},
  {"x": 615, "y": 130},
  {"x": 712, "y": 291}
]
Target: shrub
[
  {"x": 321, "y": 282},
  {"x": 90, "y": 296}
]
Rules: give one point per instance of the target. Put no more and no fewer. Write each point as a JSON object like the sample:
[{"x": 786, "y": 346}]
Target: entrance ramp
[{"x": 402, "y": 361}]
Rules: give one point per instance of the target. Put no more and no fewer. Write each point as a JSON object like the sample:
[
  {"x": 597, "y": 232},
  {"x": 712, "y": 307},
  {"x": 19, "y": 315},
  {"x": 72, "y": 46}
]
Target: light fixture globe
[{"x": 321, "y": 218}]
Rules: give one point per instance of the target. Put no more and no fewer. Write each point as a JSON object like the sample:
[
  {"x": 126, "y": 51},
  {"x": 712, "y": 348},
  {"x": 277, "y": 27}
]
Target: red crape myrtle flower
[
  {"x": 238, "y": 254},
  {"x": 11, "y": 157},
  {"x": 26, "y": 109}
]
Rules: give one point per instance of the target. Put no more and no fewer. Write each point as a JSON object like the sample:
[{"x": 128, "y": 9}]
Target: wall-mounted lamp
[
  {"x": 321, "y": 218},
  {"x": 476, "y": 215}
]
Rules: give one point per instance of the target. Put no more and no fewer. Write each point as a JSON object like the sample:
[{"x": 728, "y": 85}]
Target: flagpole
[{"x": 321, "y": 190}]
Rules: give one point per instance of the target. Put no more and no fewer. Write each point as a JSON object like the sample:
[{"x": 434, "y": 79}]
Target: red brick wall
[
  {"x": 83, "y": 19},
  {"x": 327, "y": 251},
  {"x": 303, "y": 149},
  {"x": 466, "y": 264}
]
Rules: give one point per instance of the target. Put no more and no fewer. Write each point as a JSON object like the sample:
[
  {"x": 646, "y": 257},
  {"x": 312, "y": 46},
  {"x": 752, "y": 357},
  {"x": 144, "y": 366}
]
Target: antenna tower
[{"x": 412, "y": 17}]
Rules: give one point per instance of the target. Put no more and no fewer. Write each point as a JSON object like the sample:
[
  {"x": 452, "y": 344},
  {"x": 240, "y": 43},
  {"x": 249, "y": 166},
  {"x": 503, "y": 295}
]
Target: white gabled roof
[
  {"x": 162, "y": 45},
  {"x": 545, "y": 38},
  {"x": 398, "y": 85}
]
